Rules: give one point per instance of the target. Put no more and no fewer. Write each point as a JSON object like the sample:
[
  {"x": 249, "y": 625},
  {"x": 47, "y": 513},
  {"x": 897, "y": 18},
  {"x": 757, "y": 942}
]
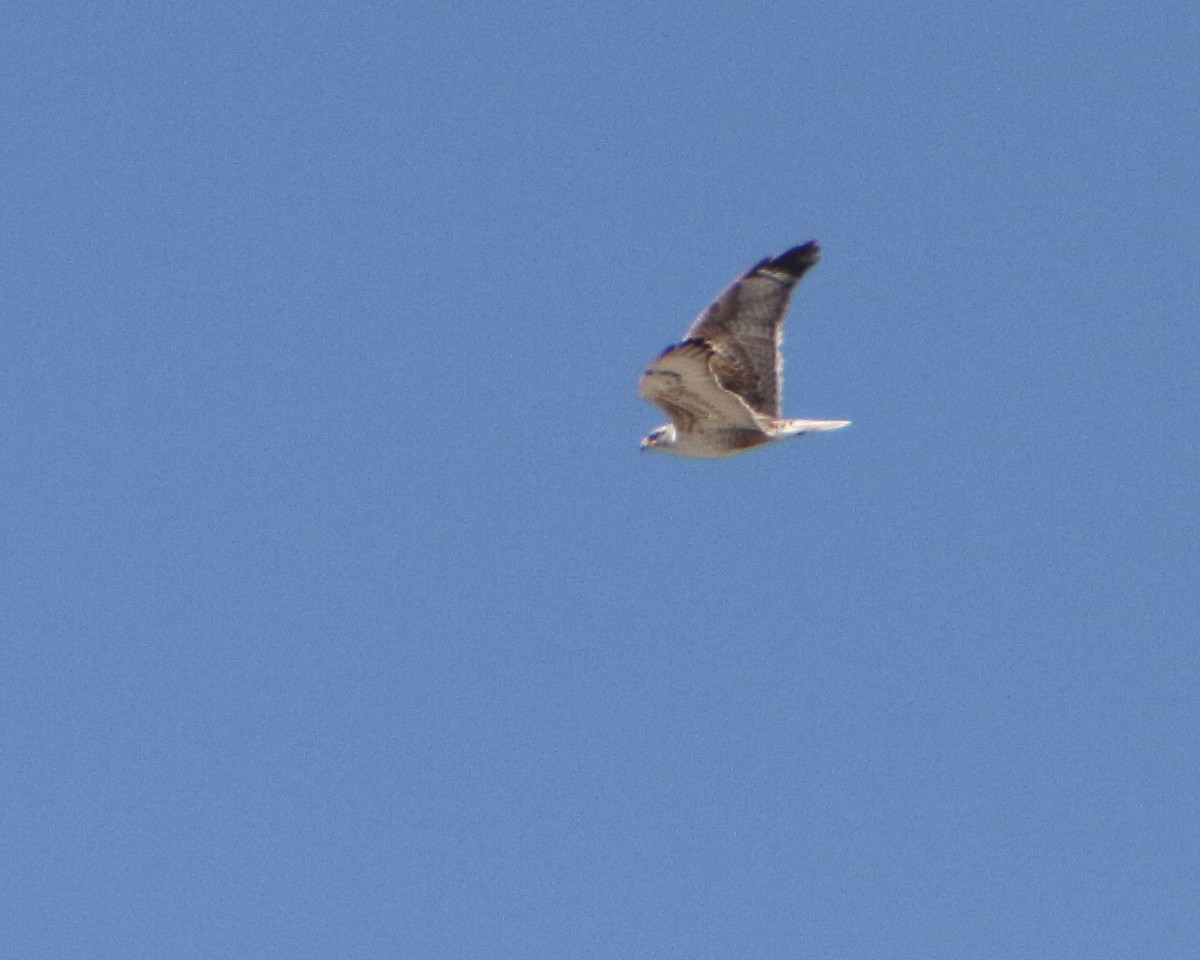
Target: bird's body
[{"x": 721, "y": 386}]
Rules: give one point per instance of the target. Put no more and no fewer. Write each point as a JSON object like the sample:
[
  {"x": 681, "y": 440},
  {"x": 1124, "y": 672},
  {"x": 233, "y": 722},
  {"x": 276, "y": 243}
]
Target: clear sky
[{"x": 341, "y": 615}]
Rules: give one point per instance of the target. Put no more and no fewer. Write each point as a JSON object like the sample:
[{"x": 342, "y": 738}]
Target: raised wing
[
  {"x": 744, "y": 327},
  {"x": 682, "y": 383}
]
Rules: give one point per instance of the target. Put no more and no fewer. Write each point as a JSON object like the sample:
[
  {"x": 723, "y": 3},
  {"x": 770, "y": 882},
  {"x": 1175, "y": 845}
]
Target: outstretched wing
[
  {"x": 744, "y": 328},
  {"x": 682, "y": 383}
]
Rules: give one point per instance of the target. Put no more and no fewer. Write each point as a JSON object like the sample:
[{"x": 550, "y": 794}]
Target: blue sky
[{"x": 342, "y": 616}]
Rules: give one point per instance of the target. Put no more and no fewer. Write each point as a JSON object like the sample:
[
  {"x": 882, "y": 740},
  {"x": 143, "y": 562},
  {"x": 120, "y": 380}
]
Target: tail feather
[{"x": 798, "y": 425}]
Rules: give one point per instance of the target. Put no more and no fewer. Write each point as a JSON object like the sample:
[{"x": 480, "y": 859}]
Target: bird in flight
[{"x": 721, "y": 386}]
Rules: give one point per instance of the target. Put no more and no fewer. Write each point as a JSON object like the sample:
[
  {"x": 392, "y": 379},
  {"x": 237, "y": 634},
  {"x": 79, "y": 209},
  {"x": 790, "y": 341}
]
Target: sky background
[{"x": 341, "y": 615}]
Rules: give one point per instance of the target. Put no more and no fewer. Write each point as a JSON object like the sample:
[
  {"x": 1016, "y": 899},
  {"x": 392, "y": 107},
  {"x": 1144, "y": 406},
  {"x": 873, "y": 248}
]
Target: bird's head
[{"x": 660, "y": 438}]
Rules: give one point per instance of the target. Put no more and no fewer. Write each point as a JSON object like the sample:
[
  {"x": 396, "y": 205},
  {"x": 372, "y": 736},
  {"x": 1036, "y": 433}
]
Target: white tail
[{"x": 789, "y": 428}]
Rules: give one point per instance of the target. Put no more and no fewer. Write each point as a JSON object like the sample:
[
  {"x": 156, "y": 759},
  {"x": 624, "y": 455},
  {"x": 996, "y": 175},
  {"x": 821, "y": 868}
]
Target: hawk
[{"x": 721, "y": 386}]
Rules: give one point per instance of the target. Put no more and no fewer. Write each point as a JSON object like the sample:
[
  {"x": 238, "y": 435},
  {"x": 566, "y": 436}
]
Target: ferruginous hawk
[{"x": 721, "y": 386}]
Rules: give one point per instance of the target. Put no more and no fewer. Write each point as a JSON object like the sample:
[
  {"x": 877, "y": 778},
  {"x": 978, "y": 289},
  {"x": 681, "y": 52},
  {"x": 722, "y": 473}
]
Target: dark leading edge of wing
[{"x": 743, "y": 327}]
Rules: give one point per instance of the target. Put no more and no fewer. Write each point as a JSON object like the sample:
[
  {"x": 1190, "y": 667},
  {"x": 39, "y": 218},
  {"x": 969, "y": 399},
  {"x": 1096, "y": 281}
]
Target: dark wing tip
[{"x": 795, "y": 261}]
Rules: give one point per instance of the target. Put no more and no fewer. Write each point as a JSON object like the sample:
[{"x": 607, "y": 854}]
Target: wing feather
[
  {"x": 744, "y": 328},
  {"x": 683, "y": 384}
]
